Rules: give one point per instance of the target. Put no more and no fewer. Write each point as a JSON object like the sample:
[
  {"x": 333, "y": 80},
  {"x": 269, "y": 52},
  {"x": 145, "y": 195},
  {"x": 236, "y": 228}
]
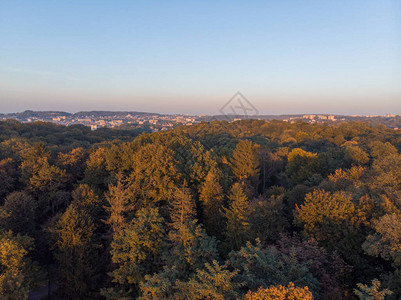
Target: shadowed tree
[
  {"x": 237, "y": 216},
  {"x": 7, "y": 177},
  {"x": 211, "y": 197},
  {"x": 76, "y": 251},
  {"x": 19, "y": 211},
  {"x": 302, "y": 166}
]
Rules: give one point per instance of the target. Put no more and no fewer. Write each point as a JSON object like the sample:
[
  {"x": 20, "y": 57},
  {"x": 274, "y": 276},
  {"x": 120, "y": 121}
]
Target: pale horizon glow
[{"x": 338, "y": 57}]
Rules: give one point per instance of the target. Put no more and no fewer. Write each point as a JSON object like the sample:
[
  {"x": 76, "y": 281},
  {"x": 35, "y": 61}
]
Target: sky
[{"x": 341, "y": 57}]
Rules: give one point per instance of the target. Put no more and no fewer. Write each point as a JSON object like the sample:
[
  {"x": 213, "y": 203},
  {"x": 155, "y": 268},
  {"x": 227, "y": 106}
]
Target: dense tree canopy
[{"x": 217, "y": 210}]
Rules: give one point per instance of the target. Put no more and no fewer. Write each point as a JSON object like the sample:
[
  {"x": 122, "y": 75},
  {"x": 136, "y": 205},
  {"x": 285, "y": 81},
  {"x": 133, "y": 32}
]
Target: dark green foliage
[
  {"x": 262, "y": 267},
  {"x": 18, "y": 213}
]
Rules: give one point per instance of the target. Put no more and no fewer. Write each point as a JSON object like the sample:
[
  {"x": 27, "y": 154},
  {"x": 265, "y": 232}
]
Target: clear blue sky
[{"x": 191, "y": 57}]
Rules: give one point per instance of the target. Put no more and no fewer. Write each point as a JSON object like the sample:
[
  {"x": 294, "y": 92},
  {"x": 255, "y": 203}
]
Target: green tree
[
  {"x": 77, "y": 253},
  {"x": 33, "y": 159},
  {"x": 190, "y": 248},
  {"x": 84, "y": 197},
  {"x": 302, "y": 166},
  {"x": 245, "y": 162},
  {"x": 267, "y": 218},
  {"x": 154, "y": 174},
  {"x": 355, "y": 155},
  {"x": 96, "y": 174},
  {"x": 136, "y": 251},
  {"x": 380, "y": 149},
  {"x": 262, "y": 267},
  {"x": 19, "y": 211},
  {"x": 237, "y": 216},
  {"x": 211, "y": 197},
  {"x": 211, "y": 282},
  {"x": 324, "y": 213},
  {"x": 387, "y": 177}
]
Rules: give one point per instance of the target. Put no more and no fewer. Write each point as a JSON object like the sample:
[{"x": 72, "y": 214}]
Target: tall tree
[
  {"x": 245, "y": 162},
  {"x": 154, "y": 174},
  {"x": 76, "y": 251},
  {"x": 118, "y": 206},
  {"x": 182, "y": 207},
  {"x": 211, "y": 197},
  {"x": 237, "y": 216},
  {"x": 136, "y": 251}
]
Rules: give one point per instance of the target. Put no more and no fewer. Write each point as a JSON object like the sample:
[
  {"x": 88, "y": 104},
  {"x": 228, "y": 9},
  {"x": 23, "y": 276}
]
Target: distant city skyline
[{"x": 306, "y": 57}]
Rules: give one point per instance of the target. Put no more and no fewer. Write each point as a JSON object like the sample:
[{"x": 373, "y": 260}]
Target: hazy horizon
[{"x": 311, "y": 57}]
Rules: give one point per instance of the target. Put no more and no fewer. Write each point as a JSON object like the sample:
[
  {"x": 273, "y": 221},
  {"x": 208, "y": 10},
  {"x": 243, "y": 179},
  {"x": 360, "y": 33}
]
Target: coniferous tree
[
  {"x": 182, "y": 207},
  {"x": 365, "y": 292},
  {"x": 213, "y": 281},
  {"x": 118, "y": 205},
  {"x": 154, "y": 175},
  {"x": 211, "y": 197},
  {"x": 237, "y": 216},
  {"x": 245, "y": 162}
]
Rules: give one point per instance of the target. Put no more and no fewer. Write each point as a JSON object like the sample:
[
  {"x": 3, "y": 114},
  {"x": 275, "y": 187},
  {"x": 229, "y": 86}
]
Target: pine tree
[
  {"x": 245, "y": 162},
  {"x": 237, "y": 215},
  {"x": 118, "y": 205},
  {"x": 365, "y": 292},
  {"x": 182, "y": 207},
  {"x": 211, "y": 197}
]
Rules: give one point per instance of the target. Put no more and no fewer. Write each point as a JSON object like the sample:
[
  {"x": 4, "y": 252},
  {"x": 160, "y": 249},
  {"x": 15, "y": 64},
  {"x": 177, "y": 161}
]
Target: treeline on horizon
[{"x": 242, "y": 210}]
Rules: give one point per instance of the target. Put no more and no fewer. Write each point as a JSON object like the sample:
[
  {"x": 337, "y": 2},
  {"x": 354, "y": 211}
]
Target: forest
[{"x": 243, "y": 210}]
